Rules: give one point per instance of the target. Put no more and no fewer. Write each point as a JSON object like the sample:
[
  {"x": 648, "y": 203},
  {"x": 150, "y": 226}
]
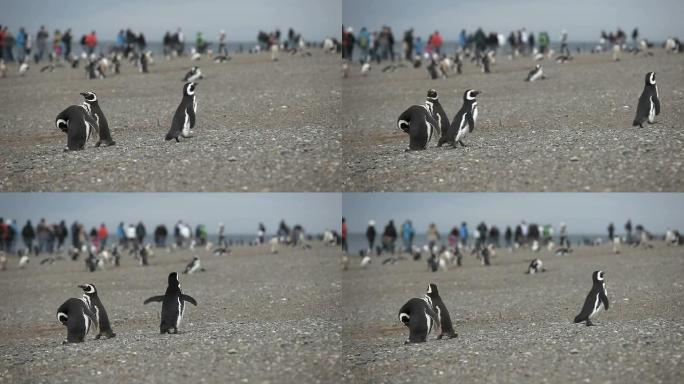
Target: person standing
[
  {"x": 564, "y": 235},
  {"x": 91, "y": 42},
  {"x": 57, "y": 45},
  {"x": 464, "y": 234},
  {"x": 432, "y": 235},
  {"x": 222, "y": 43},
  {"x": 262, "y": 233},
  {"x": 436, "y": 43},
  {"x": 20, "y": 41},
  {"x": 564, "y": 43},
  {"x": 407, "y": 235},
  {"x": 61, "y": 234},
  {"x": 364, "y": 42},
  {"x": 344, "y": 235},
  {"x": 102, "y": 235},
  {"x": 140, "y": 233},
  {"x": 508, "y": 237},
  {"x": 611, "y": 231},
  {"x": 628, "y": 229},
  {"x": 408, "y": 45},
  {"x": 389, "y": 237},
  {"x": 222, "y": 236},
  {"x": 66, "y": 40},
  {"x": 41, "y": 43},
  {"x": 370, "y": 236},
  {"x": 28, "y": 235}
]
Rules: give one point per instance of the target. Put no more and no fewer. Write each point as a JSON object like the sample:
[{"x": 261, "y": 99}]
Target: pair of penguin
[
  {"x": 79, "y": 122},
  {"x": 422, "y": 122},
  {"x": 80, "y": 315},
  {"x": 421, "y": 315}
]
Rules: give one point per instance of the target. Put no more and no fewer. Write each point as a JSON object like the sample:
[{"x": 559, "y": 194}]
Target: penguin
[
  {"x": 649, "y": 103},
  {"x": 432, "y": 69},
  {"x": 420, "y": 124},
  {"x": 3, "y": 68},
  {"x": 143, "y": 63},
  {"x": 77, "y": 122},
  {"x": 463, "y": 122},
  {"x": 597, "y": 296},
  {"x": 193, "y": 75},
  {"x": 438, "y": 112},
  {"x": 99, "y": 311},
  {"x": 365, "y": 261},
  {"x": 100, "y": 120},
  {"x": 222, "y": 59},
  {"x": 485, "y": 64},
  {"x": 76, "y": 315},
  {"x": 536, "y": 266},
  {"x": 23, "y": 68},
  {"x": 184, "y": 118},
  {"x": 193, "y": 266},
  {"x": 536, "y": 73},
  {"x": 365, "y": 68},
  {"x": 418, "y": 315},
  {"x": 3, "y": 261},
  {"x": 447, "y": 328},
  {"x": 23, "y": 261},
  {"x": 562, "y": 251},
  {"x": 173, "y": 305}
]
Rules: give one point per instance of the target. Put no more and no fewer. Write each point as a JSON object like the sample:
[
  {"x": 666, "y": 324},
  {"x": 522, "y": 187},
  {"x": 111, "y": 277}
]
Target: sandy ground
[
  {"x": 571, "y": 132},
  {"x": 517, "y": 328},
  {"x": 261, "y": 126},
  {"x": 261, "y": 318}
]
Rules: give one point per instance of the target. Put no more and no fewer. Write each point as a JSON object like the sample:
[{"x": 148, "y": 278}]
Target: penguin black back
[
  {"x": 76, "y": 315},
  {"x": 173, "y": 305},
  {"x": 98, "y": 309},
  {"x": 418, "y": 315},
  {"x": 184, "y": 118},
  {"x": 447, "y": 327},
  {"x": 649, "y": 103},
  {"x": 100, "y": 119},
  {"x": 78, "y": 124},
  {"x": 420, "y": 124},
  {"x": 596, "y": 296}
]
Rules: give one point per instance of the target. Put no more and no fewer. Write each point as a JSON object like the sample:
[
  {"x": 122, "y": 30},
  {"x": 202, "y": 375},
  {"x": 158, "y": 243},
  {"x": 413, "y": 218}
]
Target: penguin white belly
[
  {"x": 597, "y": 306},
  {"x": 429, "y": 322},
  {"x": 430, "y": 129},
  {"x": 186, "y": 125},
  {"x": 194, "y": 104},
  {"x": 461, "y": 128},
  {"x": 651, "y": 111},
  {"x": 180, "y": 312},
  {"x": 87, "y": 323},
  {"x": 475, "y": 113},
  {"x": 194, "y": 268}
]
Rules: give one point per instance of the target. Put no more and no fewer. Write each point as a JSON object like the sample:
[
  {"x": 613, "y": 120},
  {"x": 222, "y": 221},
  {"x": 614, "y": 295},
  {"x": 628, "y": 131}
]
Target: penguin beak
[
  {"x": 83, "y": 94},
  {"x": 82, "y": 286},
  {"x": 475, "y": 93}
]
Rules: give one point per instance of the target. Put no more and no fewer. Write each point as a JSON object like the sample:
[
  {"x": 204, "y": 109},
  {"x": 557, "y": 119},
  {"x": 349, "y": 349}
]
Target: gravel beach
[
  {"x": 570, "y": 132},
  {"x": 261, "y": 126},
  {"x": 517, "y": 328},
  {"x": 260, "y": 318}
]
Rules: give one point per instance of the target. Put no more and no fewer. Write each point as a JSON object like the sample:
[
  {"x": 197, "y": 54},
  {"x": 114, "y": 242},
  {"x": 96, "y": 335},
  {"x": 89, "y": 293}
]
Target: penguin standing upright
[
  {"x": 418, "y": 315},
  {"x": 78, "y": 124},
  {"x": 420, "y": 124},
  {"x": 447, "y": 328},
  {"x": 100, "y": 120},
  {"x": 184, "y": 118},
  {"x": 77, "y": 316},
  {"x": 173, "y": 305},
  {"x": 649, "y": 103},
  {"x": 597, "y": 296},
  {"x": 463, "y": 122},
  {"x": 486, "y": 64},
  {"x": 143, "y": 62},
  {"x": 438, "y": 112},
  {"x": 432, "y": 69},
  {"x": 193, "y": 75},
  {"x": 99, "y": 310}
]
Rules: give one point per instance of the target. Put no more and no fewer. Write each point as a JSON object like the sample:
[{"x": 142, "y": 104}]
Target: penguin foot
[
  {"x": 98, "y": 144},
  {"x": 589, "y": 323},
  {"x": 462, "y": 143},
  {"x": 109, "y": 143}
]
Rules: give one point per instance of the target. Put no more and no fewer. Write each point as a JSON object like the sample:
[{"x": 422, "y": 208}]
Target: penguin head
[
  {"x": 61, "y": 124},
  {"x": 89, "y": 289},
  {"x": 650, "y": 78},
  {"x": 189, "y": 89},
  {"x": 597, "y": 276},
  {"x": 432, "y": 290},
  {"x": 431, "y": 94},
  {"x": 173, "y": 280},
  {"x": 470, "y": 94},
  {"x": 537, "y": 67},
  {"x": 90, "y": 97}
]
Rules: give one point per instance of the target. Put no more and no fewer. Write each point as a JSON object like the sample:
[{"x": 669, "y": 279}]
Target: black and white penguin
[
  {"x": 173, "y": 305},
  {"x": 76, "y": 315},
  {"x": 432, "y": 69},
  {"x": 649, "y": 103},
  {"x": 420, "y": 124},
  {"x": 222, "y": 59},
  {"x": 536, "y": 266},
  {"x": 418, "y": 315},
  {"x": 77, "y": 122},
  {"x": 100, "y": 120},
  {"x": 486, "y": 64},
  {"x": 193, "y": 75},
  {"x": 184, "y": 118},
  {"x": 463, "y": 122},
  {"x": 193, "y": 266},
  {"x": 446, "y": 326},
  {"x": 437, "y": 111},
  {"x": 536, "y": 73},
  {"x": 99, "y": 310},
  {"x": 597, "y": 296},
  {"x": 143, "y": 63}
]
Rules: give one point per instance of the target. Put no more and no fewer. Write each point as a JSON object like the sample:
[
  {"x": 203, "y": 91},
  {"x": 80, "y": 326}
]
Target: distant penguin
[
  {"x": 222, "y": 59},
  {"x": 365, "y": 261},
  {"x": 463, "y": 122},
  {"x": 420, "y": 124},
  {"x": 184, "y": 118},
  {"x": 365, "y": 68},
  {"x": 432, "y": 69},
  {"x": 536, "y": 266},
  {"x": 597, "y": 296},
  {"x": 563, "y": 59},
  {"x": 23, "y": 261},
  {"x": 438, "y": 112},
  {"x": 446, "y": 326},
  {"x": 23, "y": 68},
  {"x": 173, "y": 305},
  {"x": 486, "y": 64},
  {"x": 98, "y": 309},
  {"x": 78, "y": 124},
  {"x": 649, "y": 103},
  {"x": 193, "y": 75},
  {"x": 3, "y": 261},
  {"x": 562, "y": 251},
  {"x": 100, "y": 120},
  {"x": 419, "y": 317},
  {"x": 143, "y": 63},
  {"x": 76, "y": 315},
  {"x": 193, "y": 266},
  {"x": 3, "y": 68},
  {"x": 536, "y": 73}
]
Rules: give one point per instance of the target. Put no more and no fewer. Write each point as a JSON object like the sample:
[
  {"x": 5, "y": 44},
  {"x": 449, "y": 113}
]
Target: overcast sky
[
  {"x": 315, "y": 19},
  {"x": 584, "y": 213},
  {"x": 583, "y": 19},
  {"x": 240, "y": 212}
]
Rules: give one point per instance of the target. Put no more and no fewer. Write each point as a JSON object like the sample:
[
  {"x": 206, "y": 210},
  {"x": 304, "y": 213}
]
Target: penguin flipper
[
  {"x": 154, "y": 298},
  {"x": 656, "y": 103},
  {"x": 471, "y": 122},
  {"x": 191, "y": 116},
  {"x": 188, "y": 298}
]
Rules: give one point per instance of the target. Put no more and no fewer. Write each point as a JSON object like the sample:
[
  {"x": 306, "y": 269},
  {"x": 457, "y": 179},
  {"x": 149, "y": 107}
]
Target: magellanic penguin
[
  {"x": 193, "y": 266},
  {"x": 536, "y": 73},
  {"x": 446, "y": 326},
  {"x": 418, "y": 315},
  {"x": 193, "y": 75},
  {"x": 420, "y": 124},
  {"x": 173, "y": 305},
  {"x": 536, "y": 266},
  {"x": 437, "y": 112},
  {"x": 463, "y": 122},
  {"x": 77, "y": 122},
  {"x": 100, "y": 120},
  {"x": 597, "y": 296},
  {"x": 184, "y": 118},
  {"x": 77, "y": 316},
  {"x": 99, "y": 310},
  {"x": 649, "y": 103}
]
